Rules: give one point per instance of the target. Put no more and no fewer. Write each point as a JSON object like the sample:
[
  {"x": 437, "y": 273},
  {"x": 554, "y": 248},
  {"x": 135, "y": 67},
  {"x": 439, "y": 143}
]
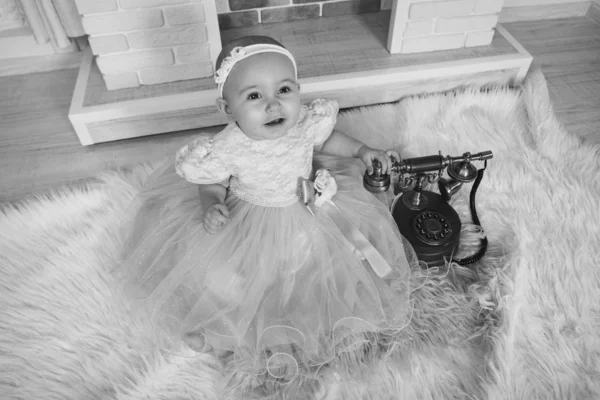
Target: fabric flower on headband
[{"x": 228, "y": 62}]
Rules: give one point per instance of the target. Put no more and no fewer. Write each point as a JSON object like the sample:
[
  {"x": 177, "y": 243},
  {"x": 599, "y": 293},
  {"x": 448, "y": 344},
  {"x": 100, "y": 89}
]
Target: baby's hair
[{"x": 244, "y": 41}]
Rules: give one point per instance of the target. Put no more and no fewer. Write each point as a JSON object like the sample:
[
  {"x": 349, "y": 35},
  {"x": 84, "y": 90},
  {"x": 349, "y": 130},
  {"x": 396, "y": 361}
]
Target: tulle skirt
[{"x": 281, "y": 288}]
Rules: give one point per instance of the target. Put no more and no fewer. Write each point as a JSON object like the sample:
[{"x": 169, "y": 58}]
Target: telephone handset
[{"x": 425, "y": 218}]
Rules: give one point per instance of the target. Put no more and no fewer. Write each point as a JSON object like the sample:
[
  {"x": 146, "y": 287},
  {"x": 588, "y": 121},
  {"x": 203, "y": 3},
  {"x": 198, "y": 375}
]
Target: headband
[{"x": 239, "y": 53}]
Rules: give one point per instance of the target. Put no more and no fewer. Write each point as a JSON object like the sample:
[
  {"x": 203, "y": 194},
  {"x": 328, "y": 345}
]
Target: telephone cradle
[{"x": 424, "y": 218}]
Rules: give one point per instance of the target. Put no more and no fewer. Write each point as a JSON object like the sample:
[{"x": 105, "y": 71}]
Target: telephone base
[{"x": 433, "y": 231}]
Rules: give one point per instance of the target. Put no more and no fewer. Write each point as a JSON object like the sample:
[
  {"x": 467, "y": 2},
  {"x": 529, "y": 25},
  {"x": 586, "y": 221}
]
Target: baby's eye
[
  {"x": 285, "y": 89},
  {"x": 253, "y": 96}
]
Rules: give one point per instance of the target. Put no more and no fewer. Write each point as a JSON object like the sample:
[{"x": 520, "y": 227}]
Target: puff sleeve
[
  {"x": 199, "y": 162},
  {"x": 323, "y": 116}
]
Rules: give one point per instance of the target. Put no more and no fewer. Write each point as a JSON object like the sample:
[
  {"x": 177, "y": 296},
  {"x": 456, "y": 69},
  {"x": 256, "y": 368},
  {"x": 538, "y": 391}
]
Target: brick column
[
  {"x": 429, "y": 25},
  {"x": 145, "y": 42}
]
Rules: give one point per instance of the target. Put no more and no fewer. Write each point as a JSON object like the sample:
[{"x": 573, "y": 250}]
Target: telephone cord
[{"x": 484, "y": 242}]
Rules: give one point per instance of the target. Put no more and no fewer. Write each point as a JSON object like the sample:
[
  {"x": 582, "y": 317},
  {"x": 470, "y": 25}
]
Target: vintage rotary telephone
[{"x": 425, "y": 218}]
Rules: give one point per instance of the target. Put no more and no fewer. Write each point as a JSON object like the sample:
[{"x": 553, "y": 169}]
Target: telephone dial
[{"x": 425, "y": 218}]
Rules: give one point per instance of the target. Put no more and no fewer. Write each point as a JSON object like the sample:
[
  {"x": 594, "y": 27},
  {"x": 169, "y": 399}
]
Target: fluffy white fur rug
[{"x": 524, "y": 323}]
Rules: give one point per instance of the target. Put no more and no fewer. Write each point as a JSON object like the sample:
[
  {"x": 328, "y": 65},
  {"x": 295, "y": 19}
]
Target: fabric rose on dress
[
  {"x": 325, "y": 187},
  {"x": 322, "y": 107}
]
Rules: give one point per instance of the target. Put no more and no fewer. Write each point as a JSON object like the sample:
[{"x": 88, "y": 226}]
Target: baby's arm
[
  {"x": 340, "y": 144},
  {"x": 216, "y": 214}
]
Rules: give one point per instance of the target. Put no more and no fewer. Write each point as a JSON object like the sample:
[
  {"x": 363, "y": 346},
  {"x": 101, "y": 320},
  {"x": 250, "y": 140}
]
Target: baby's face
[{"x": 263, "y": 96}]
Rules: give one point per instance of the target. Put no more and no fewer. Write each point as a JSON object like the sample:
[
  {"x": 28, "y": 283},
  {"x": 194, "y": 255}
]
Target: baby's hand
[
  {"x": 215, "y": 218},
  {"x": 368, "y": 155}
]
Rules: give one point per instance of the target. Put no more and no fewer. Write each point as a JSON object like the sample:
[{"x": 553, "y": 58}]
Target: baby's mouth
[{"x": 276, "y": 122}]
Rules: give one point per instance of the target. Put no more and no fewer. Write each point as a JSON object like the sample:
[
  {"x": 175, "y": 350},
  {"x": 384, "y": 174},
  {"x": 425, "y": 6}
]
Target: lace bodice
[{"x": 264, "y": 172}]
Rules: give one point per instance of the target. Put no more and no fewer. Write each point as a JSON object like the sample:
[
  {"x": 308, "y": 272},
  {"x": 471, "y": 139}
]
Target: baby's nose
[{"x": 273, "y": 105}]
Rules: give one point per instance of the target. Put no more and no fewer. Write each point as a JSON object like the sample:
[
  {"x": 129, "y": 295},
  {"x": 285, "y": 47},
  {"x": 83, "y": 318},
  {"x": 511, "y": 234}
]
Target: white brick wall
[
  {"x": 488, "y": 7},
  {"x": 90, "y": 7},
  {"x": 121, "y": 81},
  {"x": 184, "y": 15},
  {"x": 479, "y": 38},
  {"x": 430, "y": 25},
  {"x": 191, "y": 53},
  {"x": 135, "y": 60},
  {"x": 167, "y": 36},
  {"x": 462, "y": 24},
  {"x": 433, "y": 9},
  {"x": 131, "y": 4},
  {"x": 419, "y": 28},
  {"x": 109, "y": 43},
  {"x": 122, "y": 21},
  {"x": 431, "y": 43},
  {"x": 146, "y": 42}
]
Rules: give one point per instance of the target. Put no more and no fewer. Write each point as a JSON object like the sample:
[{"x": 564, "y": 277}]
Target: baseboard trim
[
  {"x": 29, "y": 65},
  {"x": 545, "y": 11}
]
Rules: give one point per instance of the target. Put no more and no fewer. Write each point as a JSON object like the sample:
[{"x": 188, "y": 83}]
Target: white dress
[{"x": 279, "y": 285}]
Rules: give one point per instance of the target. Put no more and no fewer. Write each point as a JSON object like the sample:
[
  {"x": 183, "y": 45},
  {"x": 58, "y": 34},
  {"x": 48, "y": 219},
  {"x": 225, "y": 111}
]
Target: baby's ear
[{"x": 223, "y": 106}]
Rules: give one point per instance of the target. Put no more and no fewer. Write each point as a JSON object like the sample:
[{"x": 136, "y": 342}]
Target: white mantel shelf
[{"x": 342, "y": 58}]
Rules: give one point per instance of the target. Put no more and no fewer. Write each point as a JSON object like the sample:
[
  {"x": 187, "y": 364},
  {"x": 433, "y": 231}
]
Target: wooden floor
[{"x": 39, "y": 149}]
